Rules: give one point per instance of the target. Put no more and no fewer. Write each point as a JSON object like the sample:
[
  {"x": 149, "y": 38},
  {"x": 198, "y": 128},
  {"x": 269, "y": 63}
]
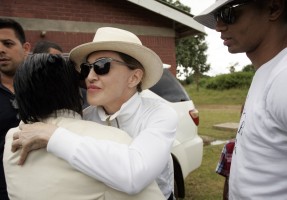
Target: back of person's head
[
  {"x": 45, "y": 46},
  {"x": 45, "y": 83},
  {"x": 12, "y": 24}
]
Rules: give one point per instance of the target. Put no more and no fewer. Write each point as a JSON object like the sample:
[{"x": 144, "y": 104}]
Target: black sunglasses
[
  {"x": 227, "y": 13},
  {"x": 101, "y": 67}
]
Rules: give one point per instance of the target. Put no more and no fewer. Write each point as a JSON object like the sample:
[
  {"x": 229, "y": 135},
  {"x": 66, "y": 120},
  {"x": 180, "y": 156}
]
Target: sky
[{"x": 217, "y": 54}]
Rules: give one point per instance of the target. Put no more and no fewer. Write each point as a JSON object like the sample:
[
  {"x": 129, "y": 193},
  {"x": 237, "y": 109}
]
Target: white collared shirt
[{"x": 128, "y": 168}]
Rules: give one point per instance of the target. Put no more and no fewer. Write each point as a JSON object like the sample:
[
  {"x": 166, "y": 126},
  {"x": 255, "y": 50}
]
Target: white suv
[{"x": 188, "y": 147}]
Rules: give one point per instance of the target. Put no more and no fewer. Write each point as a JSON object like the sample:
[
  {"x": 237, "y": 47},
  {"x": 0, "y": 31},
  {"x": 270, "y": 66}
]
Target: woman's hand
[{"x": 31, "y": 137}]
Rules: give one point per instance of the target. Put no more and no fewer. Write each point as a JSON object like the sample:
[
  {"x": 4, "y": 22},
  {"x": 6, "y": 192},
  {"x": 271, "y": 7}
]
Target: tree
[
  {"x": 248, "y": 68},
  {"x": 178, "y": 5},
  {"x": 232, "y": 67},
  {"x": 190, "y": 53}
]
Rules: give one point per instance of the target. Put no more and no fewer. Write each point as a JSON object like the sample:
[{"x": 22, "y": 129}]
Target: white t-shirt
[
  {"x": 259, "y": 162},
  {"x": 128, "y": 168}
]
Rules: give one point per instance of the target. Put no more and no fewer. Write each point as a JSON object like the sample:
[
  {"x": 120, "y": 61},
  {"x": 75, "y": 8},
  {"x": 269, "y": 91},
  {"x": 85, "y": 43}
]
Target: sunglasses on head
[
  {"x": 227, "y": 13},
  {"x": 101, "y": 67}
]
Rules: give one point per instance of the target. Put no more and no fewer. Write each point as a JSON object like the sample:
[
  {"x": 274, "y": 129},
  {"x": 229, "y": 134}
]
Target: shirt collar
[
  {"x": 3, "y": 87},
  {"x": 59, "y": 114},
  {"x": 126, "y": 111},
  {"x": 63, "y": 113}
]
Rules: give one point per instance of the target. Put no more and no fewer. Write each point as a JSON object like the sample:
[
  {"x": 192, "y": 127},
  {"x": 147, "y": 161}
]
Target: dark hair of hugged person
[{"x": 45, "y": 83}]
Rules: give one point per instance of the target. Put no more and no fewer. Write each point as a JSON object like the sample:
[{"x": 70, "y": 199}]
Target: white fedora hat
[
  {"x": 114, "y": 39},
  {"x": 206, "y": 17}
]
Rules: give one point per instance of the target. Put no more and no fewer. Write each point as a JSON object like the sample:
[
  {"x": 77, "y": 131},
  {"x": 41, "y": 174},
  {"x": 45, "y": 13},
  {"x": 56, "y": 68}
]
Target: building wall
[{"x": 73, "y": 22}]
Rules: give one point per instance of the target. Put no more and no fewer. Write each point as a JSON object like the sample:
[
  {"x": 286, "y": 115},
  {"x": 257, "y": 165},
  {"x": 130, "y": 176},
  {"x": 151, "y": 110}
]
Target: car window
[{"x": 170, "y": 88}]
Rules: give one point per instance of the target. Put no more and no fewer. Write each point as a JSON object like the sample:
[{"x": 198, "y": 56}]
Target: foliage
[
  {"x": 228, "y": 81},
  {"x": 232, "y": 67},
  {"x": 248, "y": 68},
  {"x": 189, "y": 80},
  {"x": 190, "y": 53},
  {"x": 177, "y": 4}
]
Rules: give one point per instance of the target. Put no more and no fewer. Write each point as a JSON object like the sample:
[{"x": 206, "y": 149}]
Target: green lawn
[
  {"x": 204, "y": 183},
  {"x": 214, "y": 97},
  {"x": 214, "y": 107}
]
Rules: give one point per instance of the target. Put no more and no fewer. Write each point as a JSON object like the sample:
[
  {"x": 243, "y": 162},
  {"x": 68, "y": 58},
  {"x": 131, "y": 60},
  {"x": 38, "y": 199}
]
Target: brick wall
[
  {"x": 105, "y": 11},
  {"x": 112, "y": 12}
]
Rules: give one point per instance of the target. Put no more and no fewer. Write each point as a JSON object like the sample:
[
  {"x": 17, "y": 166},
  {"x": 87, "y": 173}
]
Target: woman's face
[{"x": 113, "y": 89}]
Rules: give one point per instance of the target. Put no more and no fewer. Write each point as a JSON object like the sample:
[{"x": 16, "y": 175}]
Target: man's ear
[
  {"x": 27, "y": 48},
  {"x": 135, "y": 78},
  {"x": 276, "y": 9}
]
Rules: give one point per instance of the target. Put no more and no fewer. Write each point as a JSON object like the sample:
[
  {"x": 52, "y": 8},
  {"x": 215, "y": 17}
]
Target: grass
[
  {"x": 215, "y": 97},
  {"x": 217, "y": 107},
  {"x": 204, "y": 183},
  {"x": 214, "y": 107}
]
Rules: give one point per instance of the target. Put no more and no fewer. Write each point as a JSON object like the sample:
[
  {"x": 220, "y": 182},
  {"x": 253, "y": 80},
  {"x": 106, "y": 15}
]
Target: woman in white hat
[
  {"x": 51, "y": 178},
  {"x": 116, "y": 67}
]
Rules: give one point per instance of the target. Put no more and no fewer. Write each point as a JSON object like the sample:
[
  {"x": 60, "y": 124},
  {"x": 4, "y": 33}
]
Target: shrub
[{"x": 228, "y": 81}]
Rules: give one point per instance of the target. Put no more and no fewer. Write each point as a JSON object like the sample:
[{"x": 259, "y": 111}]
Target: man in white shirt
[{"x": 258, "y": 28}]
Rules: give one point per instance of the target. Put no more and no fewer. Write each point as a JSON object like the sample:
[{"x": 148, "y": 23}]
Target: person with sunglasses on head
[
  {"x": 51, "y": 178},
  {"x": 116, "y": 68},
  {"x": 258, "y": 28},
  {"x": 13, "y": 50}
]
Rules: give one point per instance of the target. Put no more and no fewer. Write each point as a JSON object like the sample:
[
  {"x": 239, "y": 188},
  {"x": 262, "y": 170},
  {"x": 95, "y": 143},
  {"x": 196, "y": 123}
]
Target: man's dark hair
[
  {"x": 44, "y": 84},
  {"x": 12, "y": 24},
  {"x": 44, "y": 46}
]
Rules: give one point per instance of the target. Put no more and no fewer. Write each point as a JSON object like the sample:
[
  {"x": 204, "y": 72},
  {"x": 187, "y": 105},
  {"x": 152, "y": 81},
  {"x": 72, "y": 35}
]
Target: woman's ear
[{"x": 135, "y": 78}]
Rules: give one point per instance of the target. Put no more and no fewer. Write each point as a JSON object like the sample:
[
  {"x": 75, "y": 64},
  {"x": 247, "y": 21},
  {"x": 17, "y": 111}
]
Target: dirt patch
[
  {"x": 207, "y": 140},
  {"x": 229, "y": 126},
  {"x": 214, "y": 106}
]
